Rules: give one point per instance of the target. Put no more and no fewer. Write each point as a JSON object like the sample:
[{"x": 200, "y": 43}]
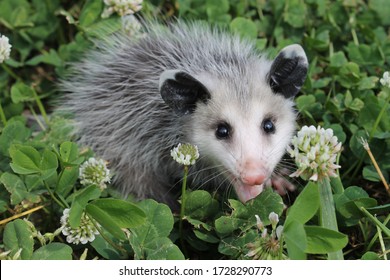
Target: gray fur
[{"x": 114, "y": 97}]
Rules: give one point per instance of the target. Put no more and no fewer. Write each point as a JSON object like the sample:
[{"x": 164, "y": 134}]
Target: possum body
[{"x": 134, "y": 99}]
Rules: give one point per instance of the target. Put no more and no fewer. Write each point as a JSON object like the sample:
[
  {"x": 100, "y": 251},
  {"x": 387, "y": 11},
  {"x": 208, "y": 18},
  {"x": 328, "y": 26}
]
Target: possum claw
[{"x": 280, "y": 184}]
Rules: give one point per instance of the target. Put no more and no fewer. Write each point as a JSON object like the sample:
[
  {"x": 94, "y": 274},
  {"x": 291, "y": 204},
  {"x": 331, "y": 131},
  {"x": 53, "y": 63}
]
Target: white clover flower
[
  {"x": 83, "y": 234},
  {"x": 268, "y": 245},
  {"x": 94, "y": 171},
  {"x": 185, "y": 154},
  {"x": 385, "y": 80},
  {"x": 5, "y": 48},
  {"x": 315, "y": 151},
  {"x": 131, "y": 25},
  {"x": 121, "y": 7}
]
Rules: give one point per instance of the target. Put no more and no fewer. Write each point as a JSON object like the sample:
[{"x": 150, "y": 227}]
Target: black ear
[
  {"x": 181, "y": 91},
  {"x": 288, "y": 71}
]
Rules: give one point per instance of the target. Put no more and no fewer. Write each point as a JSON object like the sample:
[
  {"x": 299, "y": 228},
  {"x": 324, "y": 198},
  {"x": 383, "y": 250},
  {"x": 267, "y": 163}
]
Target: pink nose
[
  {"x": 253, "y": 173},
  {"x": 253, "y": 179}
]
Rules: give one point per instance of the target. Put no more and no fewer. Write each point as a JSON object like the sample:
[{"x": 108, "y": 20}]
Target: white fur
[
  {"x": 250, "y": 146},
  {"x": 294, "y": 51}
]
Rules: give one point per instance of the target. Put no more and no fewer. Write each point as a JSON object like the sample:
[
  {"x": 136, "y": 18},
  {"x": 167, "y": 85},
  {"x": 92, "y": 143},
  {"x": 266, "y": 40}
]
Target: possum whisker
[
  {"x": 228, "y": 187},
  {"x": 210, "y": 177}
]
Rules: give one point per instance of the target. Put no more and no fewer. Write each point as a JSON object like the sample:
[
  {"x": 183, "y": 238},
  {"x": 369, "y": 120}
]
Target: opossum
[{"x": 134, "y": 98}]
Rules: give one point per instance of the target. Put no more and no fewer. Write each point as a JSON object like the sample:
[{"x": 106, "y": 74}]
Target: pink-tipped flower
[{"x": 315, "y": 151}]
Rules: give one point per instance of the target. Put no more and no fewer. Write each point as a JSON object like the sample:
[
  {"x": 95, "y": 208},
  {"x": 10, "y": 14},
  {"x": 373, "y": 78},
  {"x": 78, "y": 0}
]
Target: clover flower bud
[
  {"x": 131, "y": 25},
  {"x": 94, "y": 171},
  {"x": 274, "y": 219},
  {"x": 185, "y": 154},
  {"x": 121, "y": 7},
  {"x": 315, "y": 151},
  {"x": 268, "y": 245},
  {"x": 259, "y": 223}
]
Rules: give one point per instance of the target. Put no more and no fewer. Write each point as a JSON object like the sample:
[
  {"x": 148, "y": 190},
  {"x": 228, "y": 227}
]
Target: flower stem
[
  {"x": 355, "y": 37},
  {"x": 337, "y": 185},
  {"x": 41, "y": 108},
  {"x": 9, "y": 71},
  {"x": 380, "y": 115},
  {"x": 382, "y": 243},
  {"x": 2, "y": 115},
  {"x": 59, "y": 202},
  {"x": 41, "y": 125},
  {"x": 328, "y": 213},
  {"x": 183, "y": 204}
]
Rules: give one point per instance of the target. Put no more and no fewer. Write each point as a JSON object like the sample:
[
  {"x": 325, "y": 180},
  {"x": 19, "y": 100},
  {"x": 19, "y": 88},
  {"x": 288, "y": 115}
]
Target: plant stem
[
  {"x": 383, "y": 247},
  {"x": 60, "y": 203},
  {"x": 373, "y": 219},
  {"x": 102, "y": 234},
  {"x": 337, "y": 185},
  {"x": 380, "y": 115},
  {"x": 371, "y": 134},
  {"x": 41, "y": 108},
  {"x": 373, "y": 240},
  {"x": 335, "y": 182},
  {"x": 328, "y": 213},
  {"x": 9, "y": 71},
  {"x": 41, "y": 125},
  {"x": 2, "y": 115},
  {"x": 182, "y": 207},
  {"x": 21, "y": 214},
  {"x": 373, "y": 160},
  {"x": 354, "y": 36}
]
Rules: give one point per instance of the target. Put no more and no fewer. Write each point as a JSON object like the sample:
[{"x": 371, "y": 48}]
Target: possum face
[{"x": 241, "y": 124}]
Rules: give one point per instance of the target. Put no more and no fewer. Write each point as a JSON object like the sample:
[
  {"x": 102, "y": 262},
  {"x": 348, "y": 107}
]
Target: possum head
[{"x": 241, "y": 122}]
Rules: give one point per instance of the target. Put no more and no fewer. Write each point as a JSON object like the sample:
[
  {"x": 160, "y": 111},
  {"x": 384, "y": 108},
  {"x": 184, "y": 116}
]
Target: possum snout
[
  {"x": 253, "y": 174},
  {"x": 251, "y": 180}
]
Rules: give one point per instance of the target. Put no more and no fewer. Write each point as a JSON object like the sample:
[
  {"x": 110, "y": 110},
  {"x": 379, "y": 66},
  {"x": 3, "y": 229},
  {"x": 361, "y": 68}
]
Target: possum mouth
[
  {"x": 244, "y": 191},
  {"x": 247, "y": 192}
]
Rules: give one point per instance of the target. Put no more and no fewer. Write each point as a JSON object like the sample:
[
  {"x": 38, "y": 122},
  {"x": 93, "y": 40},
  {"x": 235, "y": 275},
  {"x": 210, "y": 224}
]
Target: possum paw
[{"x": 280, "y": 184}]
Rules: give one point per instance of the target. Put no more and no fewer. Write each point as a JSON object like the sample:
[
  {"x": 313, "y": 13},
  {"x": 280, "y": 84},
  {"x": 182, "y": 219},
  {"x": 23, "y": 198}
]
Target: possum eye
[
  {"x": 268, "y": 126},
  {"x": 223, "y": 131}
]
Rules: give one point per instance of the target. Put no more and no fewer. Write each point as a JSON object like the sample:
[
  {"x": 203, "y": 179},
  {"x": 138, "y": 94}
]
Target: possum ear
[
  {"x": 181, "y": 91},
  {"x": 288, "y": 71}
]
